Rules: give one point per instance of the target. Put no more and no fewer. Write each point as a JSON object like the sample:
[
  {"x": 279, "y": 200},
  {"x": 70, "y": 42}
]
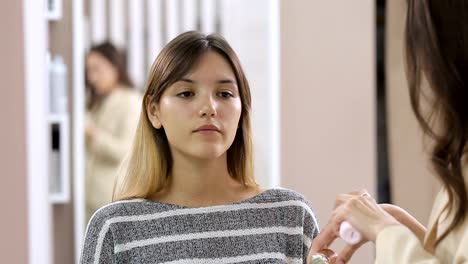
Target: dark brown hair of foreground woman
[{"x": 437, "y": 50}]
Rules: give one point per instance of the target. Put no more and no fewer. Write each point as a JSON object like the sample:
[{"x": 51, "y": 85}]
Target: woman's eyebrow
[
  {"x": 222, "y": 81},
  {"x": 187, "y": 80},
  {"x": 227, "y": 81}
]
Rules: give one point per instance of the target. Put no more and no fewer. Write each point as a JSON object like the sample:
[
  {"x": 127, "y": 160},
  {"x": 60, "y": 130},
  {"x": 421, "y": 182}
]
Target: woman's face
[
  {"x": 200, "y": 113},
  {"x": 101, "y": 74}
]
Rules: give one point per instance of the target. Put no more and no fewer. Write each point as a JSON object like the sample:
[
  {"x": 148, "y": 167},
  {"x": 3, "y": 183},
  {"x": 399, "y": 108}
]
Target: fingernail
[{"x": 340, "y": 262}]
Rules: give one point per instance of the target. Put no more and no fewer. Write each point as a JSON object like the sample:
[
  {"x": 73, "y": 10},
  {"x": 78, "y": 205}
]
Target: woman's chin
[{"x": 209, "y": 153}]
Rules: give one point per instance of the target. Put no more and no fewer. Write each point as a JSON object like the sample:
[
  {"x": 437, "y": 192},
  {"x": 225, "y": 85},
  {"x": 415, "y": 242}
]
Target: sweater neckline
[{"x": 248, "y": 200}]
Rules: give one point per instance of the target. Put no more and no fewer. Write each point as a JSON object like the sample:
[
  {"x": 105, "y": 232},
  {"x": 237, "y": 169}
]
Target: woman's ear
[{"x": 153, "y": 113}]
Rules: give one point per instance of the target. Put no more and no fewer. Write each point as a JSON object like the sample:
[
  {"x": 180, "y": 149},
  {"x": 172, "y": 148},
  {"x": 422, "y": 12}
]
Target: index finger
[
  {"x": 346, "y": 254},
  {"x": 324, "y": 239}
]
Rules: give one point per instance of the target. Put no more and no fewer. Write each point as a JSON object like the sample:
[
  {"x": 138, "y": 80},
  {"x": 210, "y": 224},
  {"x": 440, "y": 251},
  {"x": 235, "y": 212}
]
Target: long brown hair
[
  {"x": 436, "y": 38},
  {"x": 149, "y": 165},
  {"x": 118, "y": 59}
]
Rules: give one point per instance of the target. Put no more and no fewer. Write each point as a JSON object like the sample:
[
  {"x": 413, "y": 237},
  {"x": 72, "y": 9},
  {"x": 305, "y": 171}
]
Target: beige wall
[
  {"x": 328, "y": 101},
  {"x": 13, "y": 222},
  {"x": 409, "y": 167}
]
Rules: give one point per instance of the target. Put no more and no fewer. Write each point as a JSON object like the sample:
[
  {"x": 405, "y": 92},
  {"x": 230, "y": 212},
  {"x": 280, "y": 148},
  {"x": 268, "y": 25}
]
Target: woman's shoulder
[
  {"x": 289, "y": 197},
  {"x": 284, "y": 194},
  {"x": 114, "y": 210}
]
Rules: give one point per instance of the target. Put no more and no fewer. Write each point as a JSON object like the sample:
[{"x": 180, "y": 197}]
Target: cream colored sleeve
[
  {"x": 397, "y": 244},
  {"x": 115, "y": 147}
]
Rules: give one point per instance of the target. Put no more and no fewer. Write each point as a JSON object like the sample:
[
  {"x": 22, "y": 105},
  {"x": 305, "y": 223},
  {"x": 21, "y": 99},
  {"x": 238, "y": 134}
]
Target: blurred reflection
[{"x": 113, "y": 107}]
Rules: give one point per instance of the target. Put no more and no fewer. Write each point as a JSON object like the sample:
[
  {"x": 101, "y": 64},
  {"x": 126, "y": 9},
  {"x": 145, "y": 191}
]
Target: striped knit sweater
[{"x": 275, "y": 226}]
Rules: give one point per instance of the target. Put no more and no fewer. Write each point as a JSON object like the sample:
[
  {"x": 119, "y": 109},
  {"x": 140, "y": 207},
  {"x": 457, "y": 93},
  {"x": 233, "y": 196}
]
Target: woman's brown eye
[
  {"x": 226, "y": 94},
  {"x": 185, "y": 94}
]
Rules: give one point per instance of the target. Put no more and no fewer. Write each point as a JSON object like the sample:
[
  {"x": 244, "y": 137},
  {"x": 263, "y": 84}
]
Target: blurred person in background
[
  {"x": 436, "y": 38},
  {"x": 113, "y": 109}
]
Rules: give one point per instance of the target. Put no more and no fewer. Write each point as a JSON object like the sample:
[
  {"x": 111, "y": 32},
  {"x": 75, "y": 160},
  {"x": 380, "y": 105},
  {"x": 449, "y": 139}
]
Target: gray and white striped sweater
[{"x": 276, "y": 226}]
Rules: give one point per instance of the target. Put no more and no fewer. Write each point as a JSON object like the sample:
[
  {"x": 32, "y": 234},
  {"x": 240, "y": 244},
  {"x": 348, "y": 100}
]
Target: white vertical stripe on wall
[
  {"x": 78, "y": 125},
  {"x": 117, "y": 22},
  {"x": 208, "y": 16},
  {"x": 274, "y": 86},
  {"x": 189, "y": 19},
  {"x": 226, "y": 17},
  {"x": 136, "y": 65},
  {"x": 260, "y": 58},
  {"x": 37, "y": 135},
  {"x": 172, "y": 19},
  {"x": 154, "y": 27},
  {"x": 98, "y": 21}
]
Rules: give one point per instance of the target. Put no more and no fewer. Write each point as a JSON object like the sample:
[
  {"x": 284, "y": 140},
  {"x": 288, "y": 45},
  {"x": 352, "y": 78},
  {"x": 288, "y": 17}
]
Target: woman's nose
[{"x": 208, "y": 107}]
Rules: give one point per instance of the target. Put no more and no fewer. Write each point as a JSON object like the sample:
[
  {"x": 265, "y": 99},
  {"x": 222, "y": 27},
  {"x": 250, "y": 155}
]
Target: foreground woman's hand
[{"x": 363, "y": 213}]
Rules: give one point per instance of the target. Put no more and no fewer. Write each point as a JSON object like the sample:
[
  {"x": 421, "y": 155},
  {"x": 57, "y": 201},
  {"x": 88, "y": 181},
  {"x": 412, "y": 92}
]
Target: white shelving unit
[
  {"x": 57, "y": 118},
  {"x": 65, "y": 176},
  {"x": 58, "y": 122},
  {"x": 54, "y": 9},
  {"x": 59, "y": 157}
]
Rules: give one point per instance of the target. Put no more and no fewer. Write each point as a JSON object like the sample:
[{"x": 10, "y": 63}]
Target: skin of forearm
[{"x": 406, "y": 219}]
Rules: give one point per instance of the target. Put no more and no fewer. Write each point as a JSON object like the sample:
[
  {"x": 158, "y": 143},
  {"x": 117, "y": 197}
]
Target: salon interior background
[{"x": 316, "y": 68}]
